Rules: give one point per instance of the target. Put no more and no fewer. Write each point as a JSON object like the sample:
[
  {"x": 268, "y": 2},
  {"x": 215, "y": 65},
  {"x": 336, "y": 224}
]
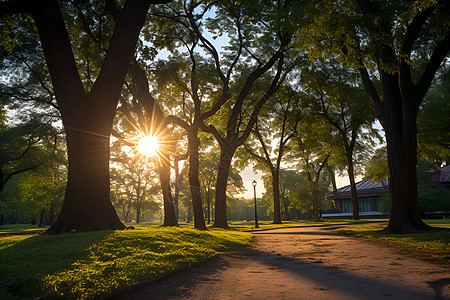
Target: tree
[
  {"x": 341, "y": 104},
  {"x": 310, "y": 152},
  {"x": 376, "y": 167},
  {"x": 138, "y": 177},
  {"x": 87, "y": 117},
  {"x": 143, "y": 118},
  {"x": 391, "y": 42},
  {"x": 236, "y": 121},
  {"x": 282, "y": 112},
  {"x": 31, "y": 144}
]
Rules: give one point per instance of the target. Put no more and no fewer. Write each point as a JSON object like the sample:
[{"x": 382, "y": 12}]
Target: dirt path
[{"x": 305, "y": 263}]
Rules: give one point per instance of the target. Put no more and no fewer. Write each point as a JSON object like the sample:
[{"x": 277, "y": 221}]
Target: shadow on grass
[{"x": 24, "y": 264}]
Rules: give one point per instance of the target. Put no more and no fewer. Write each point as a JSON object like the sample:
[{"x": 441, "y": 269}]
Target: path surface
[{"x": 305, "y": 263}]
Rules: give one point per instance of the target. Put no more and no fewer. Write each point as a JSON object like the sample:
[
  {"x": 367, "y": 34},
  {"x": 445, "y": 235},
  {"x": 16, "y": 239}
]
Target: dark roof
[
  {"x": 445, "y": 174},
  {"x": 364, "y": 188}
]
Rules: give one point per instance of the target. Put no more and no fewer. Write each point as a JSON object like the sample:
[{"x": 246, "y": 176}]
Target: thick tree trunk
[
  {"x": 220, "y": 219},
  {"x": 87, "y": 118},
  {"x": 353, "y": 191},
  {"x": 170, "y": 218},
  {"x": 402, "y": 161},
  {"x": 194, "y": 182},
  {"x": 276, "y": 196},
  {"x": 87, "y": 206}
]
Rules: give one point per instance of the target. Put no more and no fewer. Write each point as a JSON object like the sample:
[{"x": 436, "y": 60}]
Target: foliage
[
  {"x": 433, "y": 123},
  {"x": 376, "y": 167},
  {"x": 33, "y": 169},
  {"x": 89, "y": 265}
]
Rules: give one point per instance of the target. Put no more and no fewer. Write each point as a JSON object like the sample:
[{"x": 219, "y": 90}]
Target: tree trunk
[
  {"x": 87, "y": 118},
  {"x": 333, "y": 178},
  {"x": 87, "y": 206},
  {"x": 276, "y": 196},
  {"x": 208, "y": 205},
  {"x": 401, "y": 140},
  {"x": 315, "y": 200},
  {"x": 353, "y": 191},
  {"x": 41, "y": 218},
  {"x": 170, "y": 218},
  {"x": 220, "y": 219},
  {"x": 194, "y": 182},
  {"x": 138, "y": 211},
  {"x": 177, "y": 189}
]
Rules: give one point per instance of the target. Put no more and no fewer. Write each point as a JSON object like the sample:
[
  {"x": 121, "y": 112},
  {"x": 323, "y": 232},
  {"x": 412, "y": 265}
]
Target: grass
[
  {"x": 91, "y": 265},
  {"x": 16, "y": 229},
  {"x": 267, "y": 225},
  {"x": 433, "y": 245}
]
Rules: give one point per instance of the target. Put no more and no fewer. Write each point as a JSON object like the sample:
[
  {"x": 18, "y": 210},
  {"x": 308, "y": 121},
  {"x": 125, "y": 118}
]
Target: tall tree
[
  {"x": 213, "y": 78},
  {"x": 312, "y": 155},
  {"x": 87, "y": 116},
  {"x": 235, "y": 123},
  {"x": 341, "y": 104},
  {"x": 391, "y": 42},
  {"x": 282, "y": 112}
]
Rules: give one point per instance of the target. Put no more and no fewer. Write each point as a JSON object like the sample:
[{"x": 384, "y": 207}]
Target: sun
[{"x": 148, "y": 145}]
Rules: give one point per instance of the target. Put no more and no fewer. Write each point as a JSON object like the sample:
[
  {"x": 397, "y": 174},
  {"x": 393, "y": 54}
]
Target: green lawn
[
  {"x": 16, "y": 229},
  {"x": 434, "y": 245},
  {"x": 88, "y": 265}
]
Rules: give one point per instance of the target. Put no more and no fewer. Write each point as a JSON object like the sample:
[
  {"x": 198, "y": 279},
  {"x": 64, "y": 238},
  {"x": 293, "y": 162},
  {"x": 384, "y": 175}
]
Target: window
[{"x": 363, "y": 205}]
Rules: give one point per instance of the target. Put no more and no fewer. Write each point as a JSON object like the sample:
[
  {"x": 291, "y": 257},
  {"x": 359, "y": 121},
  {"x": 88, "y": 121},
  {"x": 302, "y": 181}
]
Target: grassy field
[
  {"x": 88, "y": 265},
  {"x": 433, "y": 245}
]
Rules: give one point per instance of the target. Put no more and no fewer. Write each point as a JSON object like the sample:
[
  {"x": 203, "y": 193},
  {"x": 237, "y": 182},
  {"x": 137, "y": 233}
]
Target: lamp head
[{"x": 254, "y": 182}]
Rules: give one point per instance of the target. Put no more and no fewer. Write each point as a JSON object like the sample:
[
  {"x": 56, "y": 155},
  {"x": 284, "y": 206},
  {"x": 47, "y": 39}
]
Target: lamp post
[{"x": 256, "y": 211}]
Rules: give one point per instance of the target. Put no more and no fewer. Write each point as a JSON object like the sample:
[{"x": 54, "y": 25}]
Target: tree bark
[
  {"x": 401, "y": 139},
  {"x": 87, "y": 206},
  {"x": 194, "y": 182},
  {"x": 170, "y": 218},
  {"x": 276, "y": 195},
  {"x": 220, "y": 220},
  {"x": 315, "y": 201},
  {"x": 353, "y": 191}
]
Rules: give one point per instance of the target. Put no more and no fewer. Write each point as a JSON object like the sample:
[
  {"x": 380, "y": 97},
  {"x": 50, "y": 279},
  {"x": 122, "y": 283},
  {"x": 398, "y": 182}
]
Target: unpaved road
[{"x": 305, "y": 263}]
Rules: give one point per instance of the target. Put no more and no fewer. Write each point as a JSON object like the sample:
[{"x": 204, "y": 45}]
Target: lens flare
[{"x": 148, "y": 146}]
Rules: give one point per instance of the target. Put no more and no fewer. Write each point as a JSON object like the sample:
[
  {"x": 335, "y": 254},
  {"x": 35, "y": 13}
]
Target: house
[
  {"x": 441, "y": 177},
  {"x": 369, "y": 197}
]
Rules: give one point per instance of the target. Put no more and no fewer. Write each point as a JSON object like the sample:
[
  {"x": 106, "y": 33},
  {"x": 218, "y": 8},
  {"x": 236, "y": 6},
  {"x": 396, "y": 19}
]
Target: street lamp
[{"x": 256, "y": 211}]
